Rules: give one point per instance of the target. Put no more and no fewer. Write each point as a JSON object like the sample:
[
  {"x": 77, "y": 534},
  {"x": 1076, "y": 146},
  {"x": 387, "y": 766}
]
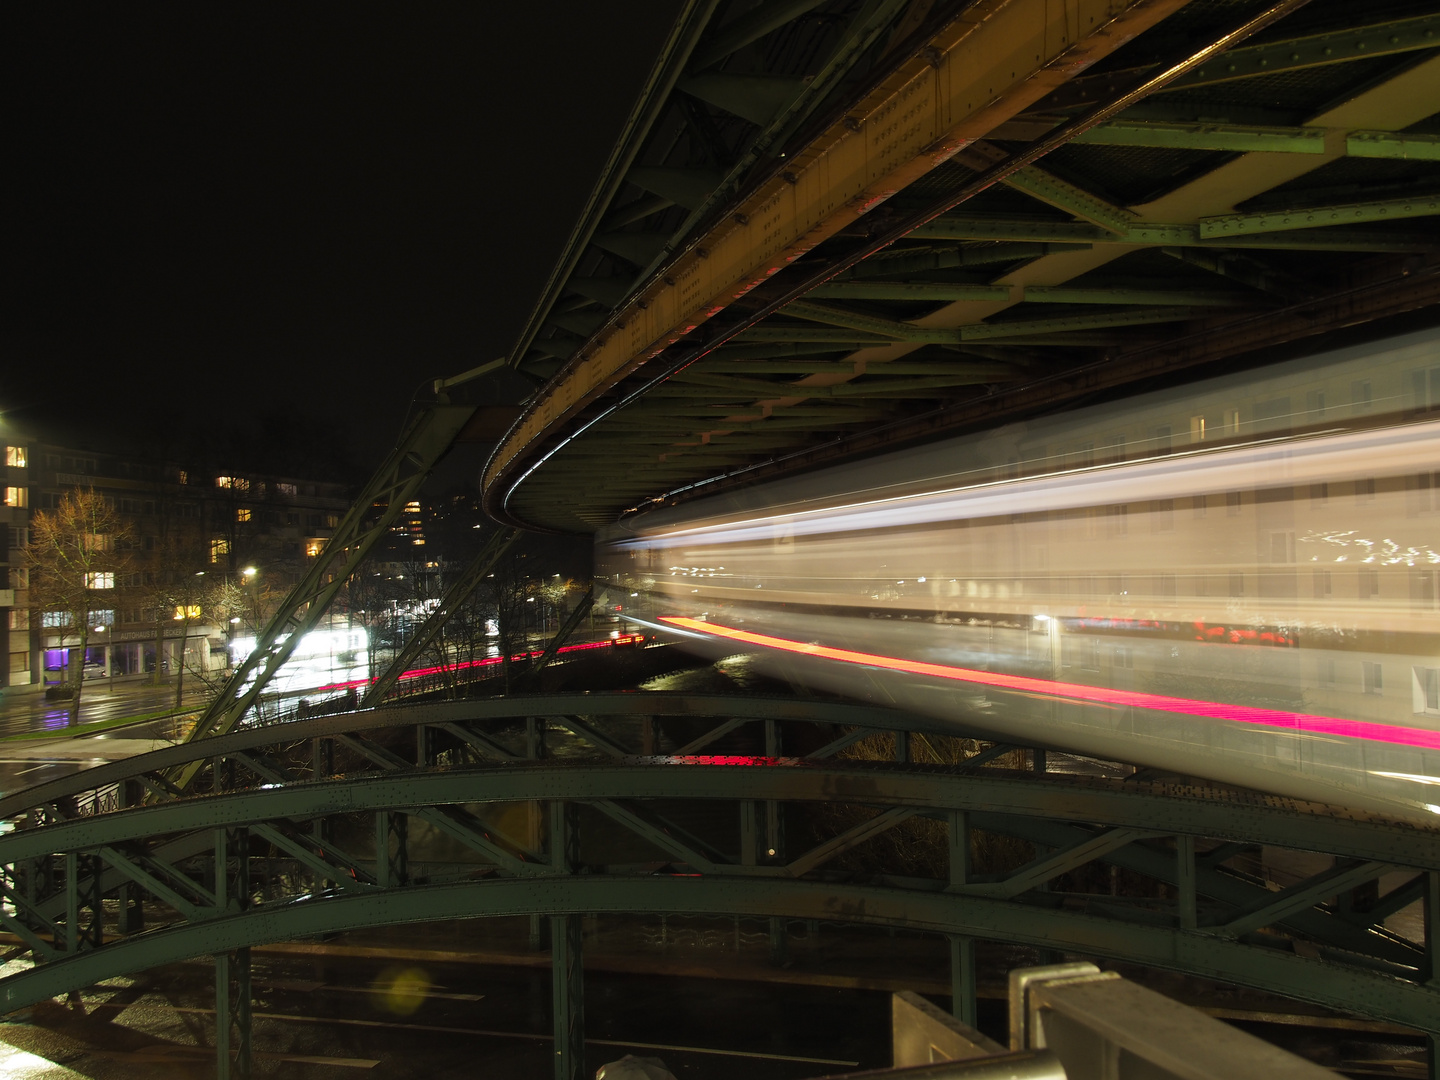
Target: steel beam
[
  {"x": 1156, "y": 808},
  {"x": 1223, "y": 226},
  {"x": 1233, "y": 138},
  {"x": 970, "y": 78},
  {"x": 567, "y": 984},
  {"x": 1316, "y": 50},
  {"x": 1211, "y": 231},
  {"x": 1063, "y": 195},
  {"x": 1195, "y": 953}
]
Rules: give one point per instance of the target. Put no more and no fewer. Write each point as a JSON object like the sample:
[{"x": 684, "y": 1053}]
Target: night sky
[{"x": 244, "y": 223}]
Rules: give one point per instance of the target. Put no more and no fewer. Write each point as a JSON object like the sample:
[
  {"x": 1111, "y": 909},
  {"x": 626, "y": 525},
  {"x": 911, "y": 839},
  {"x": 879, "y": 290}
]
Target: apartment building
[{"x": 190, "y": 529}]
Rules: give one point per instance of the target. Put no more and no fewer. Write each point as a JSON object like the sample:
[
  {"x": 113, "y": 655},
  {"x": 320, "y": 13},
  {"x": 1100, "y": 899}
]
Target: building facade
[{"x": 206, "y": 554}]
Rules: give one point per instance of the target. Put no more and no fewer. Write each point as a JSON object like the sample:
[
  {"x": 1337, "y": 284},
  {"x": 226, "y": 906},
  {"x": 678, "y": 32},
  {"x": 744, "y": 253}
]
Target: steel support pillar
[
  {"x": 962, "y": 979},
  {"x": 1185, "y": 882},
  {"x": 567, "y": 973},
  {"x": 775, "y": 840},
  {"x": 959, "y": 847},
  {"x": 232, "y": 1015},
  {"x": 1432, "y": 962},
  {"x": 567, "y": 987}
]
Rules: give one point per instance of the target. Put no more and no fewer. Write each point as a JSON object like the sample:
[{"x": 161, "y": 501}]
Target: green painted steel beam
[
  {"x": 1066, "y": 294},
  {"x": 1191, "y": 952},
  {"x": 1247, "y": 138},
  {"x": 1158, "y": 808},
  {"x": 890, "y": 367},
  {"x": 1038, "y": 294},
  {"x": 845, "y": 338},
  {"x": 1315, "y": 50},
  {"x": 1236, "y": 138},
  {"x": 1223, "y": 226},
  {"x": 907, "y": 290},
  {"x": 1050, "y": 189},
  {"x": 1393, "y": 144},
  {"x": 659, "y": 703},
  {"x": 978, "y": 228},
  {"x": 902, "y": 331},
  {"x": 903, "y": 260},
  {"x": 1029, "y": 327}
]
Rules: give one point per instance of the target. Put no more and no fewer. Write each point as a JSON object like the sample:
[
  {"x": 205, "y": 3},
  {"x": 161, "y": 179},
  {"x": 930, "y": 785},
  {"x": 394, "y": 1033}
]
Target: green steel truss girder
[
  {"x": 1062, "y": 195},
  {"x": 721, "y": 368},
  {"x": 458, "y": 592},
  {"x": 1249, "y": 61},
  {"x": 871, "y": 330},
  {"x": 1248, "y": 138},
  {"x": 1269, "y": 221},
  {"x": 1346, "y": 989},
  {"x": 1224, "y": 886},
  {"x": 1330, "y": 238},
  {"x": 1316, "y": 50},
  {"x": 424, "y": 443},
  {"x": 1227, "y": 815},
  {"x": 145, "y": 767},
  {"x": 1035, "y": 294},
  {"x": 911, "y": 260}
]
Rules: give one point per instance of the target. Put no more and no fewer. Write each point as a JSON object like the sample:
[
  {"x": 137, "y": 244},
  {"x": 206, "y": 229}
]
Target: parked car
[{"x": 94, "y": 671}]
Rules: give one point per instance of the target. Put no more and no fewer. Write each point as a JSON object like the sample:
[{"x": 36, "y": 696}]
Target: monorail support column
[
  {"x": 1188, "y": 916},
  {"x": 775, "y": 845},
  {"x": 232, "y": 1015},
  {"x": 534, "y": 751},
  {"x": 962, "y": 979},
  {"x": 1432, "y": 961},
  {"x": 567, "y": 972},
  {"x": 962, "y": 948}
]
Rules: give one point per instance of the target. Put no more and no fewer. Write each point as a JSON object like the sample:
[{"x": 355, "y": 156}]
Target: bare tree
[{"x": 77, "y": 553}]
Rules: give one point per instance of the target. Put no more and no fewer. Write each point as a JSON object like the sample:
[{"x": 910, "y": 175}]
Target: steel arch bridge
[{"x": 294, "y": 791}]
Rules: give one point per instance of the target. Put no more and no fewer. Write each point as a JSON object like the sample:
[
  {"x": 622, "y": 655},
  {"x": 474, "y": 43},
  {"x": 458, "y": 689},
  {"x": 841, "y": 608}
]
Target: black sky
[{"x": 224, "y": 213}]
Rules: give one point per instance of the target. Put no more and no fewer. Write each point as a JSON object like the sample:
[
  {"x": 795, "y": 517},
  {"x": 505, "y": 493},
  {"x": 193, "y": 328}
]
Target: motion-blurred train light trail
[
  {"x": 1325, "y": 458},
  {"x": 1238, "y": 578},
  {"x": 489, "y": 661},
  {"x": 1244, "y": 714}
]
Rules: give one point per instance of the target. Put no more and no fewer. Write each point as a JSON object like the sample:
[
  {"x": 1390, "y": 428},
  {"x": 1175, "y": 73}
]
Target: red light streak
[
  {"x": 416, "y": 673},
  {"x": 1242, "y": 714}
]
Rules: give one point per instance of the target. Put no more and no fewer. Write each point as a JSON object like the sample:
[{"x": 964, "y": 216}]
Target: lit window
[
  {"x": 102, "y": 618},
  {"x": 182, "y": 476},
  {"x": 232, "y": 483},
  {"x": 17, "y": 496},
  {"x": 332, "y": 521},
  {"x": 55, "y": 620},
  {"x": 242, "y": 514},
  {"x": 218, "y": 547},
  {"x": 100, "y": 580},
  {"x": 15, "y": 455},
  {"x": 186, "y": 611},
  {"x": 314, "y": 546}
]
